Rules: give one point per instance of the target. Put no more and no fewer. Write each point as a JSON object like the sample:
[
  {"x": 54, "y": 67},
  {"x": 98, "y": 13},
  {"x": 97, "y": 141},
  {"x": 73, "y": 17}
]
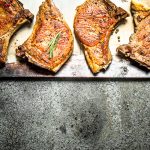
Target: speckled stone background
[{"x": 74, "y": 115}]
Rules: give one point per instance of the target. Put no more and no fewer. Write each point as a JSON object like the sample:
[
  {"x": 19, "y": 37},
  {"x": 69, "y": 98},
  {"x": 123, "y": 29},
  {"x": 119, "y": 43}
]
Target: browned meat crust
[
  {"x": 93, "y": 24},
  {"x": 12, "y": 16},
  {"x": 48, "y": 24}
]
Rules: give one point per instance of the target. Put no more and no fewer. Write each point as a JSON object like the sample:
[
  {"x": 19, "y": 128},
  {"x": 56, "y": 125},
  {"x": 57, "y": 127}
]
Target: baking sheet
[{"x": 76, "y": 66}]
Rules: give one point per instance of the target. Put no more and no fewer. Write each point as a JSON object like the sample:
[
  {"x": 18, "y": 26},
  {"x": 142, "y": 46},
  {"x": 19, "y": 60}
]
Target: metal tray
[{"x": 76, "y": 66}]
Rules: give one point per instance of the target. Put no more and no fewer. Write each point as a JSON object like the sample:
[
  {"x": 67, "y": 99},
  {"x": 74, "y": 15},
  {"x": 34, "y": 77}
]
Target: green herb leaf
[
  {"x": 14, "y": 5},
  {"x": 53, "y": 44}
]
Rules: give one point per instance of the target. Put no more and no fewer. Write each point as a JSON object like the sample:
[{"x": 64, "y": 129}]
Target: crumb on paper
[
  {"x": 124, "y": 70},
  {"x": 116, "y": 31},
  {"x": 118, "y": 38},
  {"x": 124, "y": 0}
]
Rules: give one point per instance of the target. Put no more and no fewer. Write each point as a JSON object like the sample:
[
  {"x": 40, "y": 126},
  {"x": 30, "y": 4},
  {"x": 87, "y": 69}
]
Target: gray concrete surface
[{"x": 72, "y": 115}]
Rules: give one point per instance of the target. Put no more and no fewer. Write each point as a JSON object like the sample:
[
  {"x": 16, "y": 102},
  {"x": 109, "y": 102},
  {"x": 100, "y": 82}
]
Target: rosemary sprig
[
  {"x": 14, "y": 5},
  {"x": 53, "y": 43}
]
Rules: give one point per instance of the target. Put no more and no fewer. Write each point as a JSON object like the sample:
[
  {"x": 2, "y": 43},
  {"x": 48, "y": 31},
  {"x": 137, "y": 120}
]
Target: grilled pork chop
[
  {"x": 138, "y": 48},
  {"x": 12, "y": 16},
  {"x": 139, "y": 10},
  {"x": 94, "y": 22},
  {"x": 51, "y": 43}
]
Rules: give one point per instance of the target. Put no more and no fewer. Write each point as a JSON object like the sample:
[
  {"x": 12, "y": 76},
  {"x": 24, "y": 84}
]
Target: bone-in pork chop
[
  {"x": 51, "y": 43},
  {"x": 138, "y": 48},
  {"x": 93, "y": 24},
  {"x": 12, "y": 16}
]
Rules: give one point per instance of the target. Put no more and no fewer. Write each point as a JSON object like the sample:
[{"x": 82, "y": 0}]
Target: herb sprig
[{"x": 53, "y": 44}]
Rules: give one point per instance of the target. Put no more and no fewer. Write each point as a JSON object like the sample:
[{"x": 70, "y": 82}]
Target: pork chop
[
  {"x": 93, "y": 24},
  {"x": 51, "y": 42},
  {"x": 12, "y": 16},
  {"x": 138, "y": 48}
]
